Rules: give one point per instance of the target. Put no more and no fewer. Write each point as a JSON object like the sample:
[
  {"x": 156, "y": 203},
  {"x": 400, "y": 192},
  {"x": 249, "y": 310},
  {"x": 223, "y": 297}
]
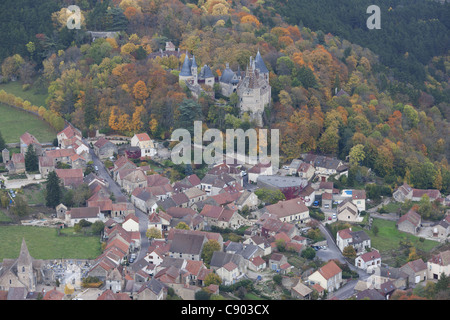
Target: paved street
[
  {"x": 116, "y": 190},
  {"x": 333, "y": 252}
]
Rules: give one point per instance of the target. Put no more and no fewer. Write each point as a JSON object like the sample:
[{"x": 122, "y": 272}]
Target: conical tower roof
[
  {"x": 259, "y": 63},
  {"x": 24, "y": 256},
  {"x": 186, "y": 68},
  {"x": 194, "y": 63}
]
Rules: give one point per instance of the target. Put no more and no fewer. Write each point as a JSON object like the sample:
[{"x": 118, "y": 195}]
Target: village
[{"x": 224, "y": 235}]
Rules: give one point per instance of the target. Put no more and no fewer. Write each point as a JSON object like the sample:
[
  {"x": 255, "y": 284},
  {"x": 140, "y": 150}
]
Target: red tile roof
[{"x": 330, "y": 270}]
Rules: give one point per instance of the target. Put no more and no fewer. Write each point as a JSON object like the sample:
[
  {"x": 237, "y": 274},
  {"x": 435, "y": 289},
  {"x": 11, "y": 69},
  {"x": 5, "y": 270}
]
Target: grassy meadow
[
  {"x": 44, "y": 243},
  {"x": 15, "y": 122}
]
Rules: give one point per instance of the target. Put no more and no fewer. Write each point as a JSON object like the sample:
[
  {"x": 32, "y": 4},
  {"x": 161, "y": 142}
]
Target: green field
[
  {"x": 388, "y": 237},
  {"x": 4, "y": 217},
  {"x": 35, "y": 194},
  {"x": 14, "y": 123},
  {"x": 31, "y": 95},
  {"x": 44, "y": 243}
]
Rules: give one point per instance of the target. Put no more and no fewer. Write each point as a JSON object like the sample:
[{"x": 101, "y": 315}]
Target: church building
[{"x": 22, "y": 272}]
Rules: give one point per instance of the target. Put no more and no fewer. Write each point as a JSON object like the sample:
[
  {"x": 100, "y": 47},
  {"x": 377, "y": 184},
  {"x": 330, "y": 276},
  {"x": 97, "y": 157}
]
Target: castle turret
[
  {"x": 261, "y": 66},
  {"x": 194, "y": 69}
]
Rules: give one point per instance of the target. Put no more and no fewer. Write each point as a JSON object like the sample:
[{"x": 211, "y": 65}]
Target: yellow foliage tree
[
  {"x": 140, "y": 91},
  {"x": 113, "y": 119},
  {"x": 250, "y": 19},
  {"x": 136, "y": 122},
  {"x": 128, "y": 48}
]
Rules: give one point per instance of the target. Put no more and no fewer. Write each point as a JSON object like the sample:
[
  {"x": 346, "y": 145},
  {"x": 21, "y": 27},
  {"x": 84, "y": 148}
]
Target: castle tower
[
  {"x": 185, "y": 73},
  {"x": 261, "y": 66},
  {"x": 25, "y": 268},
  {"x": 194, "y": 69},
  {"x": 5, "y": 155}
]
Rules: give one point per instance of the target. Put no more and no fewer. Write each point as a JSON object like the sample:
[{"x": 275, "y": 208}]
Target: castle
[{"x": 251, "y": 86}]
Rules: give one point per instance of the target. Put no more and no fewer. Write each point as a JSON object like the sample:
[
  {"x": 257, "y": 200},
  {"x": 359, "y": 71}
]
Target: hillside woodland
[{"x": 380, "y": 101}]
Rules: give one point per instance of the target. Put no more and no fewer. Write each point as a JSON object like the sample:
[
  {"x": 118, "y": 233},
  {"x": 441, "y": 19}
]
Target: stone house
[
  {"x": 68, "y": 133},
  {"x": 259, "y": 169},
  {"x": 409, "y": 222},
  {"x": 441, "y": 229},
  {"x": 328, "y": 277},
  {"x": 195, "y": 195},
  {"x": 222, "y": 217},
  {"x": 187, "y": 246},
  {"x": 152, "y": 290},
  {"x": 416, "y": 271},
  {"x": 276, "y": 261},
  {"x": 144, "y": 200},
  {"x": 406, "y": 192},
  {"x": 327, "y": 200},
  {"x": 305, "y": 171},
  {"x": 104, "y": 148},
  {"x": 358, "y": 239},
  {"x": 383, "y": 275},
  {"x": 438, "y": 264},
  {"x": 28, "y": 139},
  {"x": 61, "y": 210},
  {"x": 326, "y": 166},
  {"x": 17, "y": 163},
  {"x": 249, "y": 199},
  {"x": 359, "y": 199},
  {"x": 134, "y": 179},
  {"x": 60, "y": 155},
  {"x": 46, "y": 165},
  {"x": 145, "y": 143},
  {"x": 229, "y": 273},
  {"x": 368, "y": 260},
  {"x": 220, "y": 259},
  {"x": 257, "y": 264},
  {"x": 90, "y": 214},
  {"x": 71, "y": 178},
  {"x": 301, "y": 291},
  {"x": 292, "y": 211},
  {"x": 347, "y": 211},
  {"x": 131, "y": 223}
]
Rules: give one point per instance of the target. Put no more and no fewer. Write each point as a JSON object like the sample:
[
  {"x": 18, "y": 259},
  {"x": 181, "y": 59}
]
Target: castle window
[{"x": 23, "y": 269}]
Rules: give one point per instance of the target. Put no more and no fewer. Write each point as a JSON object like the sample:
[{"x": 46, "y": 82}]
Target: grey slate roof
[
  {"x": 186, "y": 68},
  {"x": 187, "y": 243},
  {"x": 205, "y": 72},
  {"x": 219, "y": 259},
  {"x": 259, "y": 63},
  {"x": 227, "y": 75}
]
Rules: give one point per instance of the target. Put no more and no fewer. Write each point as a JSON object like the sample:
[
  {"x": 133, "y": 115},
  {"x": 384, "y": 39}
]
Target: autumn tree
[
  {"x": 212, "y": 278},
  {"x": 349, "y": 252},
  {"x": 182, "y": 226},
  {"x": 140, "y": 91},
  {"x": 357, "y": 155},
  {"x": 208, "y": 249},
  {"x": 153, "y": 233}
]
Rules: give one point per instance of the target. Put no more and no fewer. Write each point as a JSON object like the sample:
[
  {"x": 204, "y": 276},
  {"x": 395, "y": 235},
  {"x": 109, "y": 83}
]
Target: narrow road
[
  {"x": 116, "y": 190},
  {"x": 333, "y": 252}
]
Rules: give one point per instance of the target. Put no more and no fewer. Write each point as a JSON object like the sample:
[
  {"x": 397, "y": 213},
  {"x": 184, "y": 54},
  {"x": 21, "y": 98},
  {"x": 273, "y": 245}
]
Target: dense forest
[
  {"x": 412, "y": 31},
  {"x": 390, "y": 116}
]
